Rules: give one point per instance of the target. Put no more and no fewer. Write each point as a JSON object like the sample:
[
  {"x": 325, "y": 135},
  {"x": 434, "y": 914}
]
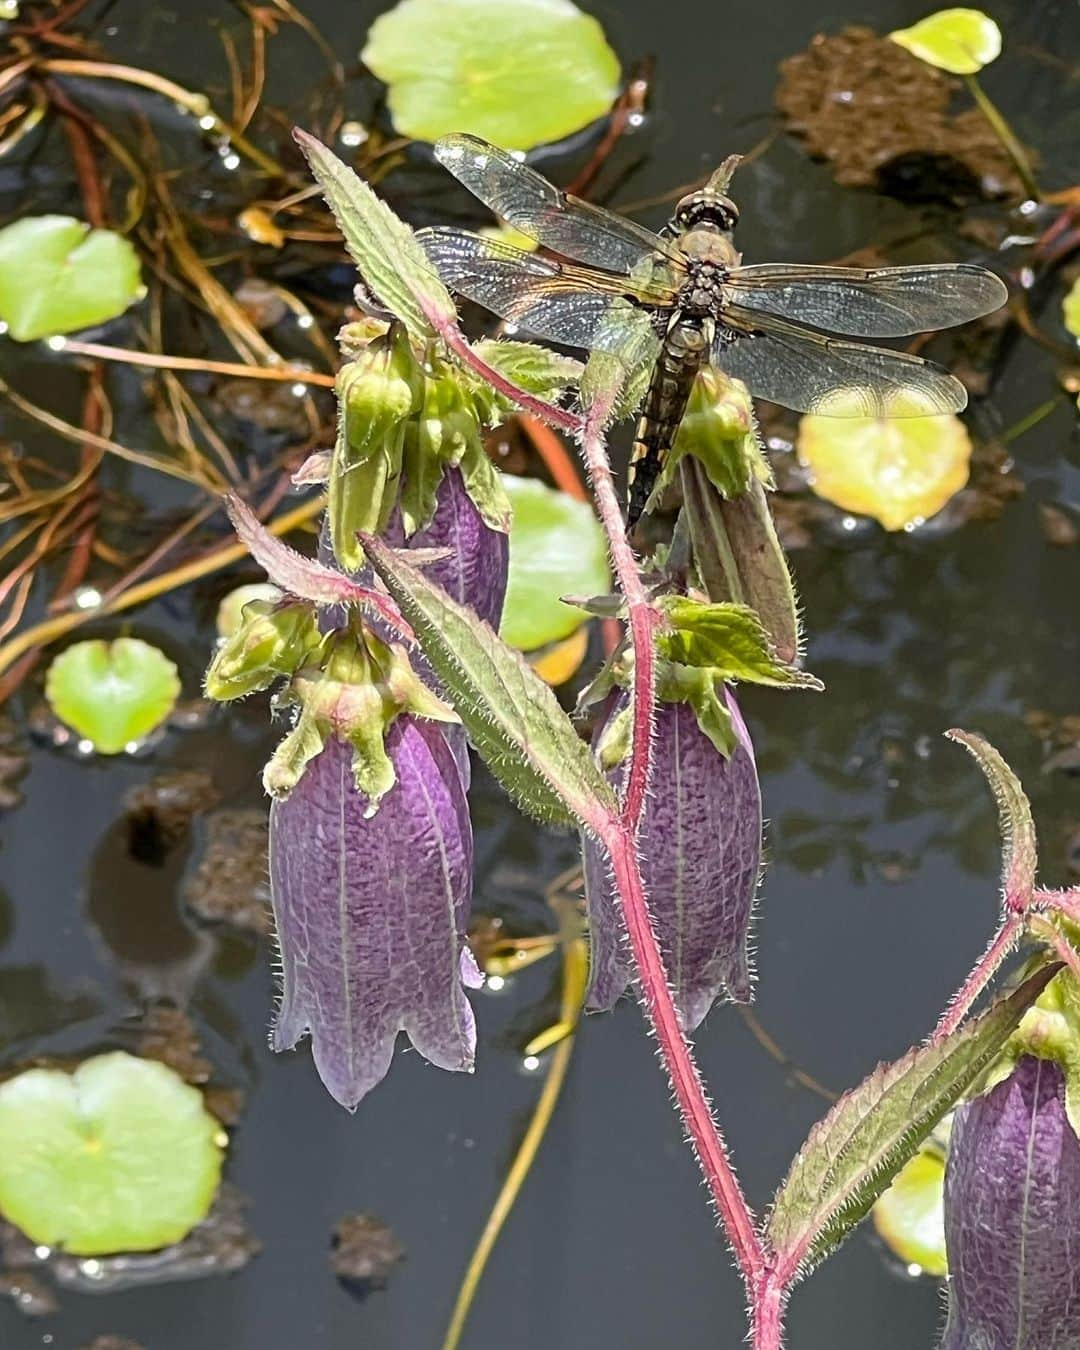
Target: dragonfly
[{"x": 770, "y": 325}]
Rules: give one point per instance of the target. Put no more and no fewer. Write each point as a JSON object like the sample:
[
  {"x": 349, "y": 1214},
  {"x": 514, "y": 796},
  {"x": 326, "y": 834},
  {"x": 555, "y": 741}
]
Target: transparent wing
[
  {"x": 566, "y": 225},
  {"x": 567, "y": 304},
  {"x": 870, "y": 302},
  {"x": 810, "y": 373}
]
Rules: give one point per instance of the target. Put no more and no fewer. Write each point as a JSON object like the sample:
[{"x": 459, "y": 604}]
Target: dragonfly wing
[
  {"x": 870, "y": 302},
  {"x": 548, "y": 299},
  {"x": 566, "y": 225},
  {"x": 811, "y": 373}
]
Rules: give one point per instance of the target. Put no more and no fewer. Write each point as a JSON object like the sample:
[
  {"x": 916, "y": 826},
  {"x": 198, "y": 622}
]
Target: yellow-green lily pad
[
  {"x": 520, "y": 73},
  {"x": 556, "y": 548},
  {"x": 899, "y": 470},
  {"x": 910, "y": 1215},
  {"x": 112, "y": 693},
  {"x": 119, "y": 1156},
  {"x": 960, "y": 41},
  {"x": 57, "y": 275}
]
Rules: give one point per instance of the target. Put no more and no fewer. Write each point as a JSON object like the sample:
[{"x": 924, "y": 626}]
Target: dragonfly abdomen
[{"x": 681, "y": 356}]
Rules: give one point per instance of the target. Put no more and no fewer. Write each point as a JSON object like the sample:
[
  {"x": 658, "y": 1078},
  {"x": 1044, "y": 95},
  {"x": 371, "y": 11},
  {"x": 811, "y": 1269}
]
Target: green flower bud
[
  {"x": 272, "y": 640},
  {"x": 353, "y": 690},
  {"x": 377, "y": 393}
]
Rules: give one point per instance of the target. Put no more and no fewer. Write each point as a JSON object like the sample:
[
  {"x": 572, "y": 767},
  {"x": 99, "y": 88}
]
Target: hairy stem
[
  {"x": 677, "y": 1056},
  {"x": 1002, "y": 943},
  {"x": 767, "y": 1313},
  {"x": 642, "y": 619}
]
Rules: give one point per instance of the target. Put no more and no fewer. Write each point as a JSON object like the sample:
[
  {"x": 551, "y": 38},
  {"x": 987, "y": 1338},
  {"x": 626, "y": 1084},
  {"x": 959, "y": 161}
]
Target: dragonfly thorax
[{"x": 703, "y": 292}]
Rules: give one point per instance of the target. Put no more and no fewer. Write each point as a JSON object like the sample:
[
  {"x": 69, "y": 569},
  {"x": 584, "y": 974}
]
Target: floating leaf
[
  {"x": 520, "y": 73},
  {"x": 557, "y": 548},
  {"x": 852, "y": 1154},
  {"x": 512, "y": 717},
  {"x": 910, "y": 1215},
  {"x": 899, "y": 470},
  {"x": 960, "y": 41},
  {"x": 1019, "y": 847},
  {"x": 120, "y": 1155},
  {"x": 391, "y": 261},
  {"x": 230, "y": 613},
  {"x": 58, "y": 275},
  {"x": 557, "y": 663},
  {"x": 1070, "y": 307},
  {"x": 112, "y": 693}
]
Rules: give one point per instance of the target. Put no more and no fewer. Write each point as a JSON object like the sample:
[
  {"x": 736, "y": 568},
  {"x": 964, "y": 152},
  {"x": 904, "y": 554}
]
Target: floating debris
[
  {"x": 230, "y": 883},
  {"x": 364, "y": 1251},
  {"x": 882, "y": 119}
]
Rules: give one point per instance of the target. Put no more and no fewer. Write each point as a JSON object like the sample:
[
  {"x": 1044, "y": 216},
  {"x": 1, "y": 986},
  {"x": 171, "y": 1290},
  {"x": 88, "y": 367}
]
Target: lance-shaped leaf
[
  {"x": 1012, "y": 1217},
  {"x": 700, "y": 848},
  {"x": 371, "y": 912},
  {"x": 738, "y": 556},
  {"x": 1019, "y": 852},
  {"x": 394, "y": 266},
  {"x": 512, "y": 717},
  {"x": 304, "y": 577},
  {"x": 728, "y": 639},
  {"x": 853, "y": 1153}
]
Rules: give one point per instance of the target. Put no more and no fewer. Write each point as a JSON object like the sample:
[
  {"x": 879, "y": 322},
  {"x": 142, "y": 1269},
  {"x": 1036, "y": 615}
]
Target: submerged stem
[{"x": 1006, "y": 136}]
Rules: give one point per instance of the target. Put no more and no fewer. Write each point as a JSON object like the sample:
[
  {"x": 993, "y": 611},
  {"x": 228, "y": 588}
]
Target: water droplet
[
  {"x": 299, "y": 389},
  {"x": 56, "y": 343},
  {"x": 530, "y": 1063},
  {"x": 87, "y": 597},
  {"x": 494, "y": 983},
  {"x": 231, "y": 161},
  {"x": 849, "y": 523},
  {"x": 305, "y": 321},
  {"x": 208, "y": 122}
]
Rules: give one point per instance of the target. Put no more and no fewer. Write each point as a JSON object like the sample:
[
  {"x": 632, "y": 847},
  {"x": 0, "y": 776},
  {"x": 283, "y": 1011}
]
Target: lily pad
[
  {"x": 112, "y": 693},
  {"x": 230, "y": 613},
  {"x": 519, "y": 73},
  {"x": 899, "y": 470},
  {"x": 1070, "y": 307},
  {"x": 562, "y": 660},
  {"x": 57, "y": 275},
  {"x": 960, "y": 41},
  {"x": 120, "y": 1155},
  {"x": 910, "y": 1216},
  {"x": 556, "y": 548}
]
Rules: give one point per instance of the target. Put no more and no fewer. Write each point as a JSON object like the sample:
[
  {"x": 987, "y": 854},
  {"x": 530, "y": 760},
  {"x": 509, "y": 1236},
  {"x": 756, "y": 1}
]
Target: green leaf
[
  {"x": 960, "y": 41},
  {"x": 738, "y": 556},
  {"x": 729, "y": 640},
  {"x": 511, "y": 715},
  {"x": 533, "y": 368},
  {"x": 557, "y": 548},
  {"x": 112, "y": 693},
  {"x": 391, "y": 262},
  {"x": 57, "y": 275},
  {"x": 1019, "y": 851},
  {"x": 1070, "y": 308},
  {"x": 718, "y": 429},
  {"x": 519, "y": 73},
  {"x": 119, "y": 1156},
  {"x": 852, "y": 1154},
  {"x": 910, "y": 1215}
]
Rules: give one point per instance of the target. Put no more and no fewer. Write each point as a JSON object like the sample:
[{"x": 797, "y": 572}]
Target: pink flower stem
[
  {"x": 678, "y": 1058},
  {"x": 1004, "y": 940},
  {"x": 642, "y": 618},
  {"x": 767, "y": 1312}
]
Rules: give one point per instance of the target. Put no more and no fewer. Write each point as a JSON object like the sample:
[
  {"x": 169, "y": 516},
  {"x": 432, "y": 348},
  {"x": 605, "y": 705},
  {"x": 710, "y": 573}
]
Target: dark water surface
[{"x": 880, "y": 893}]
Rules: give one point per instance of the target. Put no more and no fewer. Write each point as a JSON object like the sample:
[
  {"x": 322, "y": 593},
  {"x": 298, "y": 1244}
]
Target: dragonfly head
[{"x": 710, "y": 205}]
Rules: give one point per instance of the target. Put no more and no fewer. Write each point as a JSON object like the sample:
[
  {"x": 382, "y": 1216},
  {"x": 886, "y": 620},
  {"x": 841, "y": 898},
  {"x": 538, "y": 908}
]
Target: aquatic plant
[{"x": 368, "y": 864}]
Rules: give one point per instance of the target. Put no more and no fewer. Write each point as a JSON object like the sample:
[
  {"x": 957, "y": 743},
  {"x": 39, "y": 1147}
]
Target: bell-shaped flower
[
  {"x": 371, "y": 911},
  {"x": 700, "y": 848},
  {"x": 1012, "y": 1217}
]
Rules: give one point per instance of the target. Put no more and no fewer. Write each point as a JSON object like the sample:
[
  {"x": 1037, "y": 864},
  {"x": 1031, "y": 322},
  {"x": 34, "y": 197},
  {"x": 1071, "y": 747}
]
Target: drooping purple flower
[
  {"x": 700, "y": 846},
  {"x": 371, "y": 912},
  {"x": 1012, "y": 1217},
  {"x": 475, "y": 569}
]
